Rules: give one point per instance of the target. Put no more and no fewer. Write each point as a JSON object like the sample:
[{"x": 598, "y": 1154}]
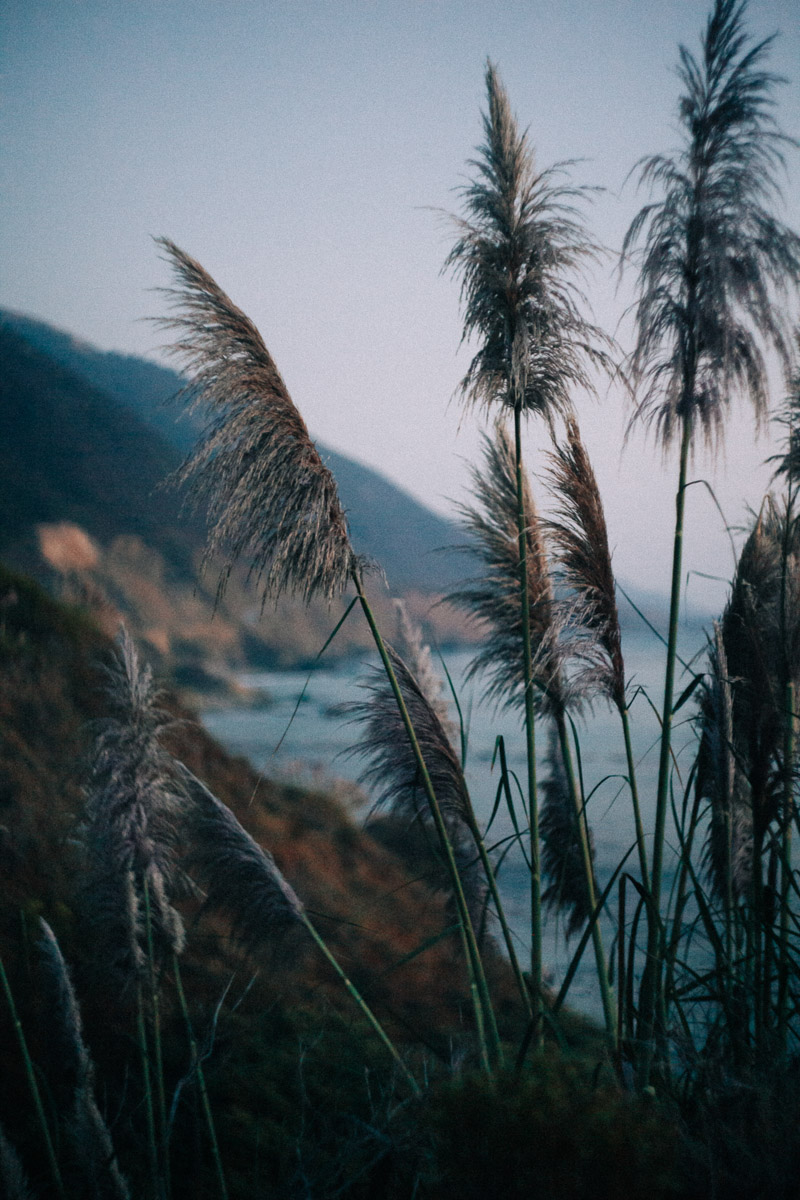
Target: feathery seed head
[
  {"x": 269, "y": 496},
  {"x": 416, "y": 654},
  {"x": 562, "y": 858},
  {"x": 494, "y": 597},
  {"x": 715, "y": 265},
  {"x": 129, "y": 830},
  {"x": 91, "y": 1141},
  {"x": 519, "y": 245},
  {"x": 393, "y": 772},
  {"x": 756, "y": 650},
  {"x": 71, "y": 1053},
  {"x": 721, "y": 779},
  {"x": 580, "y": 538},
  {"x": 241, "y": 878},
  {"x": 789, "y": 417}
]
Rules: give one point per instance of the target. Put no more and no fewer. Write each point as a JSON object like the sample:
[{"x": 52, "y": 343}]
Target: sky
[{"x": 308, "y": 153}]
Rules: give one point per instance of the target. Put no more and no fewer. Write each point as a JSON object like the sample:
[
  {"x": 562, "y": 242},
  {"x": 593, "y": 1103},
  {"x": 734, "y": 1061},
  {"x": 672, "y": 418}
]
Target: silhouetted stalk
[
  {"x": 788, "y": 766},
  {"x": 477, "y": 1007},
  {"x": 651, "y": 980},
  {"x": 201, "y": 1080},
  {"x": 786, "y": 866},
  {"x": 757, "y": 895},
  {"x": 474, "y": 963},
  {"x": 152, "y": 1151},
  {"x": 361, "y": 1002},
  {"x": 158, "y": 1057},
  {"x": 492, "y": 882},
  {"x": 637, "y": 813},
  {"x": 530, "y": 741},
  {"x": 32, "y": 1084},
  {"x": 606, "y": 993},
  {"x": 620, "y": 971}
]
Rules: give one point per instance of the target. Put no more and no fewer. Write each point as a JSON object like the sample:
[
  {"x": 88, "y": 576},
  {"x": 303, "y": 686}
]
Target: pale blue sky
[{"x": 300, "y": 150}]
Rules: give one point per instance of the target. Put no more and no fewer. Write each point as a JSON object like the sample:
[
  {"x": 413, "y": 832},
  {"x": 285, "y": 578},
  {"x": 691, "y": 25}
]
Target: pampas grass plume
[
  {"x": 241, "y": 878},
  {"x": 269, "y": 496}
]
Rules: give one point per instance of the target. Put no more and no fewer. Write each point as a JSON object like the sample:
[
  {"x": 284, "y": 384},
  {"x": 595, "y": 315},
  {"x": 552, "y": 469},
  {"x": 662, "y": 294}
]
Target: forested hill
[
  {"x": 71, "y": 452},
  {"x": 386, "y": 523}
]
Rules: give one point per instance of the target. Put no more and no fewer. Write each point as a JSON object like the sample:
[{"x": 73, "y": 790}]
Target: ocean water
[{"x": 300, "y": 733}]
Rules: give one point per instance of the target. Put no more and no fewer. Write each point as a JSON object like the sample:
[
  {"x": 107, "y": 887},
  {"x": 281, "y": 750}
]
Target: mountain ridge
[{"x": 412, "y": 544}]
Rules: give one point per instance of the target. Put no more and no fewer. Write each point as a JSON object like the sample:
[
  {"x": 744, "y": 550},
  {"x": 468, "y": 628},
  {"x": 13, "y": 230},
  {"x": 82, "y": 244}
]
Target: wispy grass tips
[
  {"x": 562, "y": 855},
  {"x": 240, "y": 877},
  {"x": 91, "y": 1142},
  {"x": 494, "y": 597},
  {"x": 129, "y": 827},
  {"x": 269, "y": 496},
  {"x": 519, "y": 246},
  {"x": 579, "y": 536}
]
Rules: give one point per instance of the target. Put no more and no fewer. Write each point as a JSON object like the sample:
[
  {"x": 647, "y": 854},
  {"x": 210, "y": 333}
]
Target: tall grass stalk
[
  {"x": 493, "y": 1051},
  {"x": 243, "y": 880},
  {"x": 395, "y": 773},
  {"x": 601, "y": 962},
  {"x": 530, "y": 737},
  {"x": 714, "y": 266},
  {"x": 30, "y": 1074},
  {"x": 788, "y": 466},
  {"x": 579, "y": 535},
  {"x": 270, "y": 496},
  {"x": 518, "y": 247},
  {"x": 158, "y": 1058},
  {"x": 87, "y": 1133},
  {"x": 147, "y": 1093},
  {"x": 197, "y": 1067}
]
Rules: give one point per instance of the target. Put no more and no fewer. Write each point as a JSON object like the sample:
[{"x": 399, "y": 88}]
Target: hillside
[
  {"x": 83, "y": 506},
  {"x": 372, "y": 908},
  {"x": 386, "y": 523},
  {"x": 73, "y": 453}
]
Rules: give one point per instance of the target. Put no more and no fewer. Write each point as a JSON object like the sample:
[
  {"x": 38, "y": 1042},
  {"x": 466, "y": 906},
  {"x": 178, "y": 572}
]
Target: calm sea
[{"x": 300, "y": 734}]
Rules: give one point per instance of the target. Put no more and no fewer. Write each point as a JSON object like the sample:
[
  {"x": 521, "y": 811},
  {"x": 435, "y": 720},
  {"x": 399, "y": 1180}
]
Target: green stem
[
  {"x": 637, "y": 813},
  {"x": 474, "y": 962},
  {"x": 758, "y": 931},
  {"x": 33, "y": 1085},
  {"x": 492, "y": 882},
  {"x": 786, "y": 867},
  {"x": 148, "y": 1093},
  {"x": 651, "y": 979},
  {"x": 530, "y": 739},
  {"x": 606, "y": 992},
  {"x": 362, "y": 1004},
  {"x": 788, "y": 783},
  {"x": 201, "y": 1081}
]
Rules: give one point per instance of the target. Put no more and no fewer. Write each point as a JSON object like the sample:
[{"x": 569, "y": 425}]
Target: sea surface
[{"x": 299, "y": 732}]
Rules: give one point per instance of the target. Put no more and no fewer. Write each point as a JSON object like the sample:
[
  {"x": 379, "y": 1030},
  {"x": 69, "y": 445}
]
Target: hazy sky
[{"x": 304, "y": 152}]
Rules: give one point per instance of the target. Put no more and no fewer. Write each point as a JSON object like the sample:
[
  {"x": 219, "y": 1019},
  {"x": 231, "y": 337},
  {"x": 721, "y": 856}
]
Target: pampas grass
[
  {"x": 562, "y": 856},
  {"x": 579, "y": 537},
  {"x": 269, "y": 496},
  {"x": 518, "y": 248},
  {"x": 89, "y": 1136},
  {"x": 240, "y": 877},
  {"x": 244, "y": 881},
  {"x": 493, "y": 598},
  {"x": 716, "y": 268},
  {"x": 129, "y": 825}
]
